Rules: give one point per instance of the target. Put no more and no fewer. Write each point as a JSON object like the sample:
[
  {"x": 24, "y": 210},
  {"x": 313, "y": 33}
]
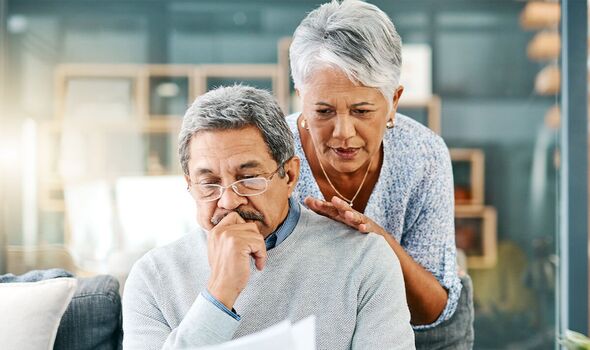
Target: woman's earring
[
  {"x": 389, "y": 124},
  {"x": 304, "y": 123},
  {"x": 188, "y": 189}
]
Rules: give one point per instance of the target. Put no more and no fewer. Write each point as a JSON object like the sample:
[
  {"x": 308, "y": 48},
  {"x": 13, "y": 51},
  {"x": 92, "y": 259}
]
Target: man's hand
[{"x": 230, "y": 245}]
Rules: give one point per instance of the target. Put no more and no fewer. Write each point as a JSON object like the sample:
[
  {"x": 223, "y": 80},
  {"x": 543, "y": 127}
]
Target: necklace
[{"x": 350, "y": 201}]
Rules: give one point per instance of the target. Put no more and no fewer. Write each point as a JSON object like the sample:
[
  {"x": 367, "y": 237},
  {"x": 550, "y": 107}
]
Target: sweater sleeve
[
  {"x": 144, "y": 326},
  {"x": 383, "y": 317},
  {"x": 430, "y": 235}
]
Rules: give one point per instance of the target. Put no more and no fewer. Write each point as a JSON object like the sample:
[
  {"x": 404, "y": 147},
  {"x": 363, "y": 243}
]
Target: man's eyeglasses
[{"x": 246, "y": 187}]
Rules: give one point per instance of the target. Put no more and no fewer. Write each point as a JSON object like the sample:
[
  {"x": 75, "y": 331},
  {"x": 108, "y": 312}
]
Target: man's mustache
[{"x": 244, "y": 214}]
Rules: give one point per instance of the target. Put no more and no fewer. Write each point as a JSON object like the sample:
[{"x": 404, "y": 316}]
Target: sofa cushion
[
  {"x": 93, "y": 318},
  {"x": 31, "y": 312}
]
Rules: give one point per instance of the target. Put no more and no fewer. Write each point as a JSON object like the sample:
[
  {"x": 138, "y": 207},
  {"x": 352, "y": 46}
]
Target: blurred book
[{"x": 284, "y": 335}]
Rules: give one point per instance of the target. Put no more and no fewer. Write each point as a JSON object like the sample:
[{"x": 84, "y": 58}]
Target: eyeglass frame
[{"x": 267, "y": 180}]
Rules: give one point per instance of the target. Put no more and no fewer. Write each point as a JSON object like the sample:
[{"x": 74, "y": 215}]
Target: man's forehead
[
  {"x": 209, "y": 167},
  {"x": 233, "y": 150}
]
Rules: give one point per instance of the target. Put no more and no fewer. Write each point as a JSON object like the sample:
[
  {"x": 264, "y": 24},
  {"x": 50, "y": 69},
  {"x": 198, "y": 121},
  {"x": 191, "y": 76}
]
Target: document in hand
[{"x": 284, "y": 335}]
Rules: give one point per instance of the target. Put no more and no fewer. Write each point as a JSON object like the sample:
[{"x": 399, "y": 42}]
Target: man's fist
[{"x": 231, "y": 244}]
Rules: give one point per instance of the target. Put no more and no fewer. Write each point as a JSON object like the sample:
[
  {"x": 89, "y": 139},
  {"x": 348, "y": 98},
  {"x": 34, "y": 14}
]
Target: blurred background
[{"x": 93, "y": 93}]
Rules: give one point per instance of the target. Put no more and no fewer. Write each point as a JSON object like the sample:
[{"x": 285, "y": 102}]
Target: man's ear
[
  {"x": 188, "y": 181},
  {"x": 292, "y": 172}
]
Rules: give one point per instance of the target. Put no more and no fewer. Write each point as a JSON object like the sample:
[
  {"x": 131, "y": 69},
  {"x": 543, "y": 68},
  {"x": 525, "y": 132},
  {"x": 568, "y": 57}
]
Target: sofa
[
  {"x": 91, "y": 313},
  {"x": 93, "y": 319}
]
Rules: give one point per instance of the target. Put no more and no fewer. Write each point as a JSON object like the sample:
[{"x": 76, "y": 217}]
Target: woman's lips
[{"x": 346, "y": 153}]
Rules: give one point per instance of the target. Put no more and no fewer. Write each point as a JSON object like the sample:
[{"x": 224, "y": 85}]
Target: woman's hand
[{"x": 339, "y": 210}]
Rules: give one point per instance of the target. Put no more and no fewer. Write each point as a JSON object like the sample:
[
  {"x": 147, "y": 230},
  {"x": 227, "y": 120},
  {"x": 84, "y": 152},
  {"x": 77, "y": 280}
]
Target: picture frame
[
  {"x": 476, "y": 235},
  {"x": 416, "y": 73},
  {"x": 468, "y": 175},
  {"x": 98, "y": 93}
]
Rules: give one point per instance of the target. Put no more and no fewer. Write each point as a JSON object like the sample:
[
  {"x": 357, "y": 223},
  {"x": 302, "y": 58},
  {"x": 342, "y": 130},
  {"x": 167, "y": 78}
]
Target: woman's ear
[{"x": 396, "y": 96}]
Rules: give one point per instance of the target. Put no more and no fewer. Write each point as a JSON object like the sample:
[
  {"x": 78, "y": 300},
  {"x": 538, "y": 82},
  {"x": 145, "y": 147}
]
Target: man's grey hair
[
  {"x": 237, "y": 107},
  {"x": 352, "y": 36}
]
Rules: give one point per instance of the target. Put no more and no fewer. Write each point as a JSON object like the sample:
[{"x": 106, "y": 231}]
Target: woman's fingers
[
  {"x": 322, "y": 207},
  {"x": 339, "y": 210}
]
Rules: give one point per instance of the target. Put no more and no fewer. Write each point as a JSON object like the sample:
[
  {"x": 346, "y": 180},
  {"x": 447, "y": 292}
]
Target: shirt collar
[{"x": 286, "y": 228}]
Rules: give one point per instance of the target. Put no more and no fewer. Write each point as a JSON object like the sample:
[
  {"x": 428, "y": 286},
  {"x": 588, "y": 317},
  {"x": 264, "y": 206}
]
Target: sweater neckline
[{"x": 293, "y": 238}]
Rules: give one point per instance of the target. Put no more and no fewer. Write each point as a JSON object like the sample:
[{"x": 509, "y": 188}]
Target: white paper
[{"x": 284, "y": 336}]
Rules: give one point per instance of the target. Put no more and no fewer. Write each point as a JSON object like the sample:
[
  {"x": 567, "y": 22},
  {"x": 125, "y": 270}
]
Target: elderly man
[{"x": 238, "y": 158}]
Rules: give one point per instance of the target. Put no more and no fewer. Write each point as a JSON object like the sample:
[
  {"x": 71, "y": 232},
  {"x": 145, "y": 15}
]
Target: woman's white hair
[{"x": 352, "y": 36}]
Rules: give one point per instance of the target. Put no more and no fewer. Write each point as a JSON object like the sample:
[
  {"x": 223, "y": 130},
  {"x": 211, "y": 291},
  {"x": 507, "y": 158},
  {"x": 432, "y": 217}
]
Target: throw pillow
[{"x": 31, "y": 312}]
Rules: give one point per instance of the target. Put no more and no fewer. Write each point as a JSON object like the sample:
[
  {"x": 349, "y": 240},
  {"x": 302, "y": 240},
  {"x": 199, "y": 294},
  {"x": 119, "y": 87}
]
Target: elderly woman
[{"x": 370, "y": 168}]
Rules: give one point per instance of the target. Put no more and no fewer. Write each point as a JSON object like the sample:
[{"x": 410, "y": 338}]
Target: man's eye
[
  {"x": 324, "y": 111},
  {"x": 208, "y": 182}
]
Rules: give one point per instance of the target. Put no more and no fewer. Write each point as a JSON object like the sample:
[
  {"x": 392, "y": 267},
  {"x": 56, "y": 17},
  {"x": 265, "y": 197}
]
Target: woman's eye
[
  {"x": 361, "y": 111},
  {"x": 323, "y": 111}
]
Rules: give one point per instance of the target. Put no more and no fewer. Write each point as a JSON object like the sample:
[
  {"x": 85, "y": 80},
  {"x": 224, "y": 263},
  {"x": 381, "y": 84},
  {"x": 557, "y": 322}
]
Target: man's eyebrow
[
  {"x": 250, "y": 165},
  {"x": 202, "y": 171}
]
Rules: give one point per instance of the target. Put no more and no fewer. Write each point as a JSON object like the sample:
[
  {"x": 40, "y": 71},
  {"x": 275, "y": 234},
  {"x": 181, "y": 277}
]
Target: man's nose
[
  {"x": 230, "y": 199},
  {"x": 344, "y": 127}
]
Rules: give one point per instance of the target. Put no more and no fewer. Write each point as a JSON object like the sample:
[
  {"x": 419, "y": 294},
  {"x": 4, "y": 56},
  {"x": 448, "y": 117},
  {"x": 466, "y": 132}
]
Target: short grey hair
[
  {"x": 353, "y": 36},
  {"x": 237, "y": 107}
]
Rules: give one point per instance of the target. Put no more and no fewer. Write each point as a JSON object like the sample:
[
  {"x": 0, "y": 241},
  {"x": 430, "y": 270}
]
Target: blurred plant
[{"x": 575, "y": 341}]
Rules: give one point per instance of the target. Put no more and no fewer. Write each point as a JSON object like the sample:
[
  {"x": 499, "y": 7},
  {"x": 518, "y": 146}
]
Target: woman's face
[{"x": 346, "y": 122}]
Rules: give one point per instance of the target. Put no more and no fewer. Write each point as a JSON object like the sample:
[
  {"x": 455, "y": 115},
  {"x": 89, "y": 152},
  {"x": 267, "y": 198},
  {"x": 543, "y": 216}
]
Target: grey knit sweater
[{"x": 352, "y": 282}]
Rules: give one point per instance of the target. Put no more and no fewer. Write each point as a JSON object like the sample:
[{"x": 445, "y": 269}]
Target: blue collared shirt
[{"x": 273, "y": 240}]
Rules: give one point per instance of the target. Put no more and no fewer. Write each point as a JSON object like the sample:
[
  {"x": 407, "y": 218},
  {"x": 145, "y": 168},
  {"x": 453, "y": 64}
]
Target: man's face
[{"x": 225, "y": 156}]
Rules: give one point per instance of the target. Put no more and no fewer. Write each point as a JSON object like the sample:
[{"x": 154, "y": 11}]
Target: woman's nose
[{"x": 344, "y": 127}]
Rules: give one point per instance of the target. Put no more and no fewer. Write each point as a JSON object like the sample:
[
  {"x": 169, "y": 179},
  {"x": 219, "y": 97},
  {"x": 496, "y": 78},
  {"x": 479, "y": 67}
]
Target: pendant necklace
[{"x": 349, "y": 201}]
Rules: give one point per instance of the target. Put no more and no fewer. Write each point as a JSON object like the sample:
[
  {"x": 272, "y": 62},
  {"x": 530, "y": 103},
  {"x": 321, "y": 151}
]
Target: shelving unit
[{"x": 149, "y": 109}]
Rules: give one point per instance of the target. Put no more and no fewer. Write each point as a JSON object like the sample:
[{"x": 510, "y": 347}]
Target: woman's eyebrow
[{"x": 360, "y": 104}]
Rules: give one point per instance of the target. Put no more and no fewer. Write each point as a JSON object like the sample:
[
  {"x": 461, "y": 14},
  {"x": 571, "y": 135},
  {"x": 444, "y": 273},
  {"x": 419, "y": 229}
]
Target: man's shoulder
[
  {"x": 336, "y": 234},
  {"x": 177, "y": 253}
]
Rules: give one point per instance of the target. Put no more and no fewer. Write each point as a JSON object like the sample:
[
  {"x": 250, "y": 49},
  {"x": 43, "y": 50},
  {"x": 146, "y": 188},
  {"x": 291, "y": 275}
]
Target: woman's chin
[{"x": 346, "y": 165}]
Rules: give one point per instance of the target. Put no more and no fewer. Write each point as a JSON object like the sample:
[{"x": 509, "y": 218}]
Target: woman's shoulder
[
  {"x": 411, "y": 142},
  {"x": 407, "y": 132}
]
